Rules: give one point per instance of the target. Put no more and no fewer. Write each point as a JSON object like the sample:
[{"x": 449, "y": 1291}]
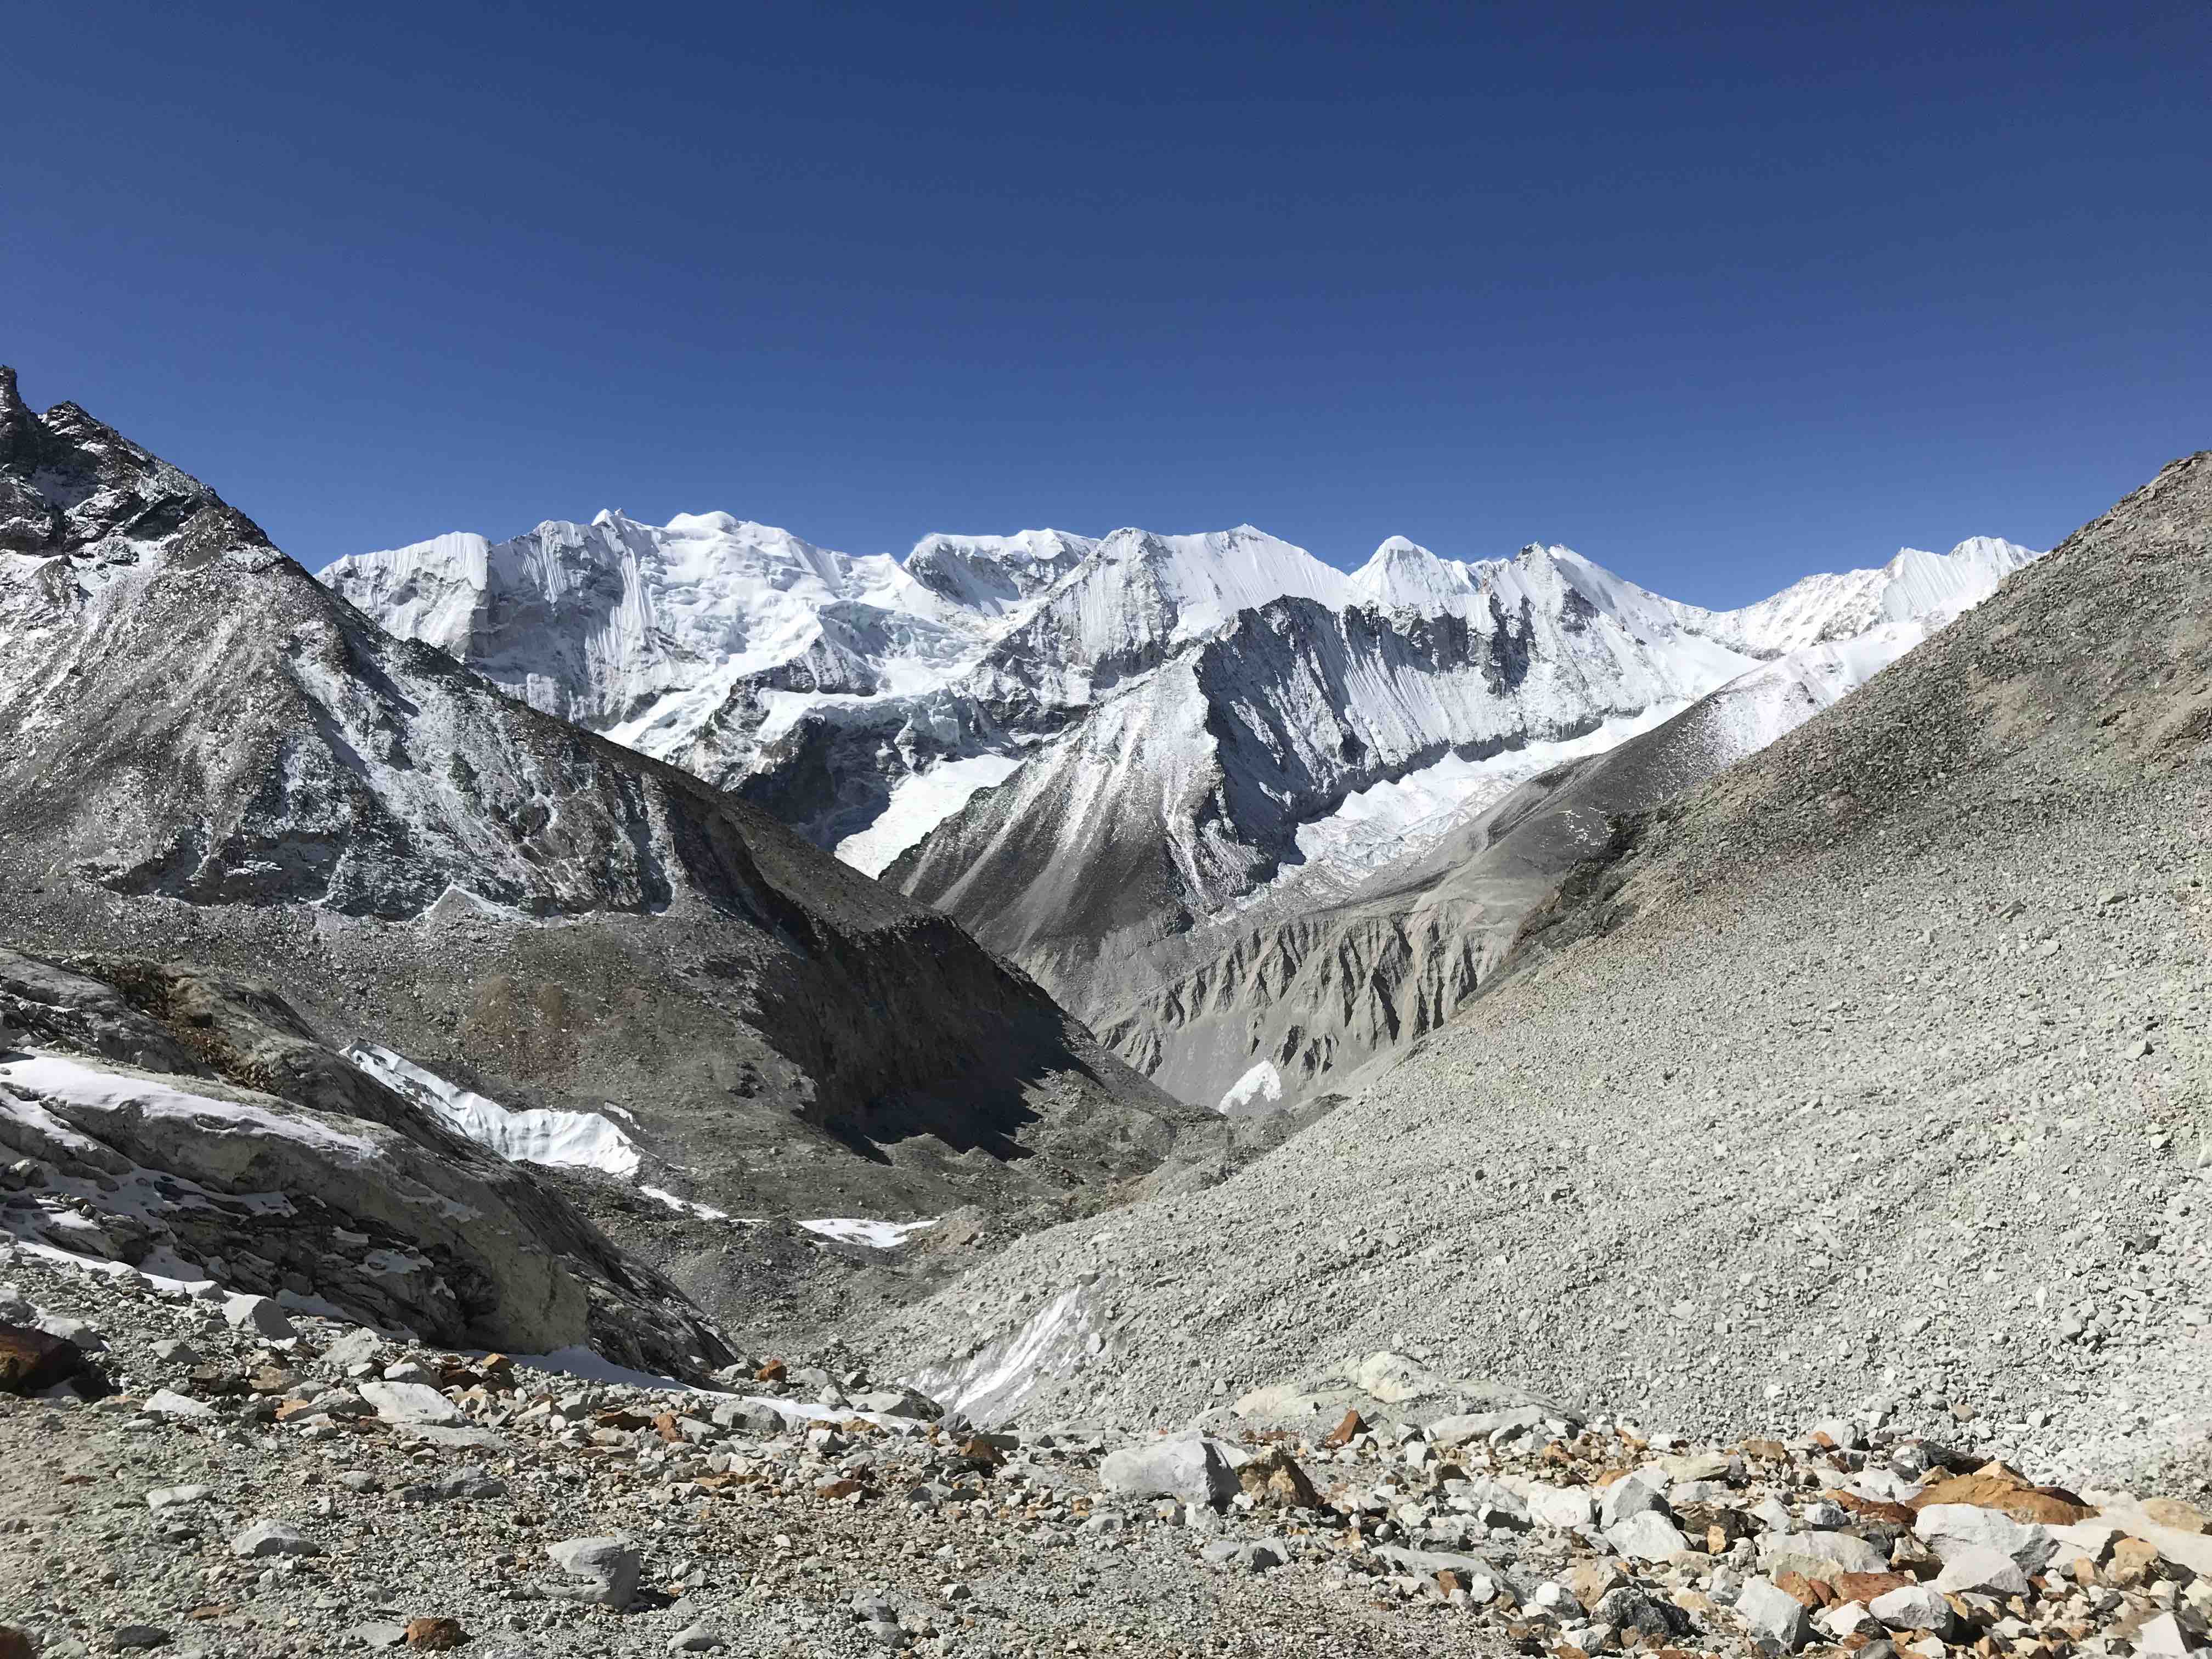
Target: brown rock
[
  {"x": 616, "y": 1417},
  {"x": 1592, "y": 1581},
  {"x": 1863, "y": 1587},
  {"x": 1448, "y": 1581},
  {"x": 1275, "y": 1477},
  {"x": 291, "y": 1408},
  {"x": 1994, "y": 1486},
  {"x": 771, "y": 1372},
  {"x": 31, "y": 1360},
  {"x": 1811, "y": 1594},
  {"x": 982, "y": 1453},
  {"x": 2173, "y": 1512},
  {"x": 2134, "y": 1563},
  {"x": 435, "y": 1635},
  {"x": 1342, "y": 1435},
  {"x": 1874, "y": 1508}
]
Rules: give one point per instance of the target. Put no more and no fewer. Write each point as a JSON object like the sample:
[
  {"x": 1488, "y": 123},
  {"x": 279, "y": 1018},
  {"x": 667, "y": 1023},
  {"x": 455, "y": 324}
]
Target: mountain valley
[{"x": 661, "y": 1088}]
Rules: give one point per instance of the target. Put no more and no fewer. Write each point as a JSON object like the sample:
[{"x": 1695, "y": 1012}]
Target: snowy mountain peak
[
  {"x": 1916, "y": 586},
  {"x": 996, "y": 575},
  {"x": 1403, "y": 574}
]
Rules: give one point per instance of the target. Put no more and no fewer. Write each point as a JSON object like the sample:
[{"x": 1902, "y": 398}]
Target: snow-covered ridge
[{"x": 866, "y": 700}]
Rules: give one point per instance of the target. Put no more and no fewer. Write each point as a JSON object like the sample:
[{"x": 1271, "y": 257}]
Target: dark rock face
[
  {"x": 206, "y": 756},
  {"x": 31, "y": 1361}
]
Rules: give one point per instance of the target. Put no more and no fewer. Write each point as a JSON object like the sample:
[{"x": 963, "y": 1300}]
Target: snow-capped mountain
[
  {"x": 1089, "y": 750},
  {"x": 1307, "y": 742}
]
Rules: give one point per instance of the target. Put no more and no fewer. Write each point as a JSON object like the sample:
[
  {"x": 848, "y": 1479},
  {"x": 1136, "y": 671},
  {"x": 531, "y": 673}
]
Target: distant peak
[{"x": 1401, "y": 547}]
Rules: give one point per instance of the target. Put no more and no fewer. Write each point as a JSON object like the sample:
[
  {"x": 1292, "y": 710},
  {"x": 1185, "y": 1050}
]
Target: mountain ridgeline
[{"x": 1192, "y": 784}]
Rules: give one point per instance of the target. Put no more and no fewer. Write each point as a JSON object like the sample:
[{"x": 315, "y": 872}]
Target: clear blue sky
[{"x": 1717, "y": 295}]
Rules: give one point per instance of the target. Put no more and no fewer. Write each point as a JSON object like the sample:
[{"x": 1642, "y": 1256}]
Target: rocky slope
[
  {"x": 1873, "y": 1074},
  {"x": 190, "y": 1125},
  {"x": 205, "y": 755}
]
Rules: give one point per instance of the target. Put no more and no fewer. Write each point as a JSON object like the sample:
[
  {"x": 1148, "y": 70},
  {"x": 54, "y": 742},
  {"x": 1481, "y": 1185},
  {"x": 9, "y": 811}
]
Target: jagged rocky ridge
[{"x": 209, "y": 757}]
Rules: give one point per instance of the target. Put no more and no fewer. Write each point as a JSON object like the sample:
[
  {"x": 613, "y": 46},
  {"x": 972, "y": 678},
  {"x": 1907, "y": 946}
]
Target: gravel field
[{"x": 213, "y": 1476}]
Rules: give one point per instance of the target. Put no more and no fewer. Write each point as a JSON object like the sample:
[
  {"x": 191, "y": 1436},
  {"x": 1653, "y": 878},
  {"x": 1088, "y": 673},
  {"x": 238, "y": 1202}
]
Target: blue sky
[{"x": 1717, "y": 296}]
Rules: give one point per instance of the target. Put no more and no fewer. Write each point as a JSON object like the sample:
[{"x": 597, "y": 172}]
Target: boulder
[
  {"x": 1819, "y": 1554},
  {"x": 601, "y": 1570},
  {"x": 1633, "y": 1494},
  {"x": 273, "y": 1537},
  {"x": 408, "y": 1402},
  {"x": 1995, "y": 1486},
  {"x": 1190, "y": 1468},
  {"x": 1916, "y": 1607},
  {"x": 1948, "y": 1528},
  {"x": 1567, "y": 1508},
  {"x": 1393, "y": 1379},
  {"x": 1647, "y": 1535},
  {"x": 1774, "y": 1614},
  {"x": 258, "y": 1313},
  {"x": 164, "y": 1403},
  {"x": 32, "y": 1360},
  {"x": 1275, "y": 1477},
  {"x": 1976, "y": 1570}
]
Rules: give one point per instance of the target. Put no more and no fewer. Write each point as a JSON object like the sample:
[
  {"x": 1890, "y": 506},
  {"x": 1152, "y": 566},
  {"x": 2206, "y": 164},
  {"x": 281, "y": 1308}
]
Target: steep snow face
[
  {"x": 1138, "y": 596},
  {"x": 1404, "y": 576},
  {"x": 1180, "y": 794},
  {"x": 996, "y": 576},
  {"x": 860, "y": 700},
  {"x": 1915, "y": 587},
  {"x": 607, "y": 623}
]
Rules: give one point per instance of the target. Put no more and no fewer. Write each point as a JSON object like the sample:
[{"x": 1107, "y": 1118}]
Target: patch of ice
[
  {"x": 1262, "y": 1082},
  {"x": 704, "y": 1212},
  {"x": 990, "y": 1386},
  {"x": 65, "y": 1081},
  {"x": 876, "y": 1235},
  {"x": 582, "y": 1141},
  {"x": 919, "y": 802}
]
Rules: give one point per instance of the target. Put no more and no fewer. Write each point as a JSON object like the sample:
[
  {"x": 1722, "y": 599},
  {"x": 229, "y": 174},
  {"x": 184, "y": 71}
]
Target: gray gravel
[{"x": 810, "y": 1510}]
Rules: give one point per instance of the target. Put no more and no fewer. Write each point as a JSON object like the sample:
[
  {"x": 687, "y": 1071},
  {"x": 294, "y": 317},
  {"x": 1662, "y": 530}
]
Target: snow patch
[
  {"x": 918, "y": 802},
  {"x": 1262, "y": 1082},
  {"x": 582, "y": 1141},
  {"x": 876, "y": 1235},
  {"x": 684, "y": 1206}
]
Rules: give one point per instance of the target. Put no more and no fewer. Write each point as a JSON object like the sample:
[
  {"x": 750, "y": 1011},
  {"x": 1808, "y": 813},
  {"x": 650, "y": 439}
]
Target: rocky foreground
[{"x": 203, "y": 1471}]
